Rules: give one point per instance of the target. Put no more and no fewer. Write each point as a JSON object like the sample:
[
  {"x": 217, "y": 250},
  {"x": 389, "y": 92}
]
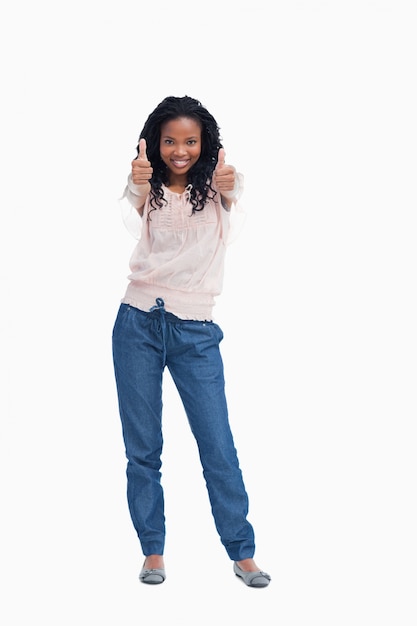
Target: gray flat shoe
[
  {"x": 152, "y": 576},
  {"x": 252, "y": 579}
]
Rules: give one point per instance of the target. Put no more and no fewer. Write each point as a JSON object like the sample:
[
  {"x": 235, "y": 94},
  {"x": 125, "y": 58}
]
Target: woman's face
[{"x": 180, "y": 144}]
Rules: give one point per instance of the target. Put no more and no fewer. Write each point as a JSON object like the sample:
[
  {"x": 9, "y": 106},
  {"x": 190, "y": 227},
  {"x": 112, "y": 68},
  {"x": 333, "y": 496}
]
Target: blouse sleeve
[
  {"x": 129, "y": 203},
  {"x": 237, "y": 214}
]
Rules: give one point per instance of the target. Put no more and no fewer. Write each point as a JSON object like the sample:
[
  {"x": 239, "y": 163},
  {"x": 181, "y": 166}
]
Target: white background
[{"x": 317, "y": 107}]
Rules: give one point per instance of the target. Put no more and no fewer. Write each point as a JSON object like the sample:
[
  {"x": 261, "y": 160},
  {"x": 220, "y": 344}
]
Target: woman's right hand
[{"x": 141, "y": 167}]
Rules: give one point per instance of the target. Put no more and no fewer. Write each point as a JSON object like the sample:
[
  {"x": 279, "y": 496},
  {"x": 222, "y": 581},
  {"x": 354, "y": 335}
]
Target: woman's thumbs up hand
[
  {"x": 225, "y": 176},
  {"x": 141, "y": 167}
]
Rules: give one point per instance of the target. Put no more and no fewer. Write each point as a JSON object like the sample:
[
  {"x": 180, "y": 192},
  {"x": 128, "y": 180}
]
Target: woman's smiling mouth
[{"x": 180, "y": 163}]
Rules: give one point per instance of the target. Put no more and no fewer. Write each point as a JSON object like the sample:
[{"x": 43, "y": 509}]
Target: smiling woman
[
  {"x": 185, "y": 194},
  {"x": 180, "y": 148}
]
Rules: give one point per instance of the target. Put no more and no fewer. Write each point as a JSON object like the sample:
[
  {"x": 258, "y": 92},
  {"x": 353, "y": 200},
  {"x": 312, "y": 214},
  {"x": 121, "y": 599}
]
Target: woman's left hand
[{"x": 224, "y": 175}]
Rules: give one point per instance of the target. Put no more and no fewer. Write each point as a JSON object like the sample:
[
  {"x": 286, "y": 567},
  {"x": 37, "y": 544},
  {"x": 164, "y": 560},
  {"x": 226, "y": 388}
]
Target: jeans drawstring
[{"x": 160, "y": 306}]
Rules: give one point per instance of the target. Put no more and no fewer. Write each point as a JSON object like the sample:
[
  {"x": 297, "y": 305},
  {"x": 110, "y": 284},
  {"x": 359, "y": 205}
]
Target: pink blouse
[{"x": 180, "y": 255}]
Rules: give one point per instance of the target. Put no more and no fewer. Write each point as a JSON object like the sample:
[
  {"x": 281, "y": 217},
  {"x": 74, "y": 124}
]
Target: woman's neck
[{"x": 177, "y": 184}]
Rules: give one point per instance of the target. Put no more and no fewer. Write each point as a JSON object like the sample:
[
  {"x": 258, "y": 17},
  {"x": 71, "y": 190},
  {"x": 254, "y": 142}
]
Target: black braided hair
[{"x": 201, "y": 174}]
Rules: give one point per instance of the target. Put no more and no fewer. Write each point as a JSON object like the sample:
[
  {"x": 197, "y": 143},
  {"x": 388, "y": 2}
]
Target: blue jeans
[{"x": 143, "y": 344}]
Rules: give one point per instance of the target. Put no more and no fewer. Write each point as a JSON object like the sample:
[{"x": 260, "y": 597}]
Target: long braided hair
[{"x": 201, "y": 174}]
